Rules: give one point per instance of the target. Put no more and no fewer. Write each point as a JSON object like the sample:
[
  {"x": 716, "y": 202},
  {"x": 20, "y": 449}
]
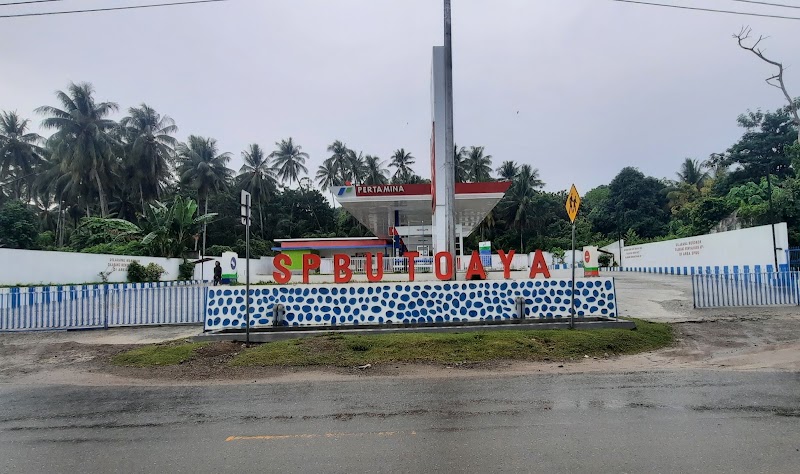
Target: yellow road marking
[{"x": 324, "y": 435}]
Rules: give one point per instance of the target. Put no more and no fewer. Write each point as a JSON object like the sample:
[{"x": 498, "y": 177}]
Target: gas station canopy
[{"x": 404, "y": 209}]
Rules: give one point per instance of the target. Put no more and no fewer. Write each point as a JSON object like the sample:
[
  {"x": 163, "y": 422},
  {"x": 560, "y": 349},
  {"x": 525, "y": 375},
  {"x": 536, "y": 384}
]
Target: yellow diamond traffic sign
[{"x": 573, "y": 203}]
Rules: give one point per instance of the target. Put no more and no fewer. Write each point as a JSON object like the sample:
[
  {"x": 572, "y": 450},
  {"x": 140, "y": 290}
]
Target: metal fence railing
[
  {"x": 793, "y": 258},
  {"x": 746, "y": 289},
  {"x": 100, "y": 306}
]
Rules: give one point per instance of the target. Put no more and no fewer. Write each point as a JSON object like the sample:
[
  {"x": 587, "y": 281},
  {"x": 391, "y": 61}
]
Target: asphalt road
[{"x": 681, "y": 421}]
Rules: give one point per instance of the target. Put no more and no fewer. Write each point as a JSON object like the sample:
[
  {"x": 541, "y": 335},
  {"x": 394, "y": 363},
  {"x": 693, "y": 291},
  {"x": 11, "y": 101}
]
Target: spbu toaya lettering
[{"x": 442, "y": 266}]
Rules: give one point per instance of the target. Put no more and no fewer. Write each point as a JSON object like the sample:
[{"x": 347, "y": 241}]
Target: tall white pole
[{"x": 449, "y": 176}]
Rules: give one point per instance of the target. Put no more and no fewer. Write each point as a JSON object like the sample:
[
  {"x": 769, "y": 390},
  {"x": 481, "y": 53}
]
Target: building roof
[
  {"x": 331, "y": 243},
  {"x": 374, "y": 206}
]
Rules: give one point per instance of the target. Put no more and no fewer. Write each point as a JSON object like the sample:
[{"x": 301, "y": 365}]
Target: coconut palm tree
[
  {"x": 19, "y": 152},
  {"x": 508, "y": 170},
  {"x": 83, "y": 140},
  {"x": 530, "y": 175},
  {"x": 328, "y": 176},
  {"x": 519, "y": 202},
  {"x": 478, "y": 165},
  {"x": 375, "y": 173},
  {"x": 402, "y": 160},
  {"x": 149, "y": 150},
  {"x": 203, "y": 168},
  {"x": 258, "y": 178},
  {"x": 356, "y": 168},
  {"x": 692, "y": 173},
  {"x": 338, "y": 160},
  {"x": 461, "y": 173},
  {"x": 289, "y": 160}
]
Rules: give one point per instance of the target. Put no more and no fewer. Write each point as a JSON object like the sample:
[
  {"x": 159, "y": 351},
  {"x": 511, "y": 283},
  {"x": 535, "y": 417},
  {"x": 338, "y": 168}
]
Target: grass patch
[
  {"x": 158, "y": 354},
  {"x": 345, "y": 350}
]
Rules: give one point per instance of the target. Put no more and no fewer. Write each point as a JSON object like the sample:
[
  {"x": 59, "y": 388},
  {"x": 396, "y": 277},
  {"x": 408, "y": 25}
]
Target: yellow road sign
[{"x": 573, "y": 203}]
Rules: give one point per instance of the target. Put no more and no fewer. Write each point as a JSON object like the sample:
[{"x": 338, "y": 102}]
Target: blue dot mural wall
[{"x": 408, "y": 303}]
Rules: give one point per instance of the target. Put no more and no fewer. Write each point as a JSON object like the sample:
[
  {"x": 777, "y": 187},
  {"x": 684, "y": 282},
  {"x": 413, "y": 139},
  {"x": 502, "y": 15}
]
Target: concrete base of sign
[{"x": 278, "y": 334}]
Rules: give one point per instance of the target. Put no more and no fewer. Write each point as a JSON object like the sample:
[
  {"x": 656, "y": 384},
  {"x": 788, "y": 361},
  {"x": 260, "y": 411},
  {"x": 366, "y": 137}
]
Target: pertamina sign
[{"x": 380, "y": 190}]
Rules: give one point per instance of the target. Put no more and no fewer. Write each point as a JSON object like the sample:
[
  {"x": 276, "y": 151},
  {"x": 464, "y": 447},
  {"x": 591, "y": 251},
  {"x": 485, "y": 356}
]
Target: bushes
[
  {"x": 138, "y": 273},
  {"x": 186, "y": 271},
  {"x": 216, "y": 250},
  {"x": 128, "y": 248}
]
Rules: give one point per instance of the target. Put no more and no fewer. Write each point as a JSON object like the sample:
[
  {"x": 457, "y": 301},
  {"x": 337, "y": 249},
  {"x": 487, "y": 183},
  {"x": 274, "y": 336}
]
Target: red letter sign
[
  {"x": 282, "y": 274},
  {"x": 378, "y": 276},
  {"x": 506, "y": 259},
  {"x": 475, "y": 267},
  {"x": 341, "y": 268},
  {"x": 539, "y": 266},
  {"x": 411, "y": 256},
  {"x": 448, "y": 274},
  {"x": 310, "y": 262}
]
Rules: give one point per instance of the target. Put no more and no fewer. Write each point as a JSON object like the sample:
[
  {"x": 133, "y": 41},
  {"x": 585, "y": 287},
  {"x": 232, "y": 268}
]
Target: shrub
[
  {"x": 137, "y": 273},
  {"x": 186, "y": 271},
  {"x": 128, "y": 248},
  {"x": 153, "y": 271},
  {"x": 216, "y": 250},
  {"x": 604, "y": 260}
]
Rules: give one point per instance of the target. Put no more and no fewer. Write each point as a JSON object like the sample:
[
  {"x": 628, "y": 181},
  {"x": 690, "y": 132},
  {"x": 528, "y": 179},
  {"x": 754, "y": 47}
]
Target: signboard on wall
[{"x": 751, "y": 246}]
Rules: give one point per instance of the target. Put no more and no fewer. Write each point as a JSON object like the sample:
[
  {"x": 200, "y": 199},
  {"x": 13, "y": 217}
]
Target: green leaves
[{"x": 171, "y": 228}]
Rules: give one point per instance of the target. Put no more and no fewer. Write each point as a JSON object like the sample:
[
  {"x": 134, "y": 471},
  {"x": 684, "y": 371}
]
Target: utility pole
[
  {"x": 772, "y": 220},
  {"x": 246, "y": 220},
  {"x": 449, "y": 176}
]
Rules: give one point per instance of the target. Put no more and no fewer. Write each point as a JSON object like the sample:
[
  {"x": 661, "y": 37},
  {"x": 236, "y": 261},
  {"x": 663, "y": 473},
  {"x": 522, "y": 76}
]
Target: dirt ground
[{"x": 752, "y": 339}]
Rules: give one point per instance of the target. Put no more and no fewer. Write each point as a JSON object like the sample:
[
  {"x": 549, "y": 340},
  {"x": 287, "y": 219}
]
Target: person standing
[{"x": 217, "y": 274}]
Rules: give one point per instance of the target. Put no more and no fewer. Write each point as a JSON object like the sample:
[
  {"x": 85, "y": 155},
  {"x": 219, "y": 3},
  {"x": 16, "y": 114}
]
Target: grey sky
[{"x": 577, "y": 88}]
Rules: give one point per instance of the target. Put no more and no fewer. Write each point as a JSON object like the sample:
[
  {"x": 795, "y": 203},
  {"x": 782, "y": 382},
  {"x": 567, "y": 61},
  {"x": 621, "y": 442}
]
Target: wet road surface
[{"x": 677, "y": 421}]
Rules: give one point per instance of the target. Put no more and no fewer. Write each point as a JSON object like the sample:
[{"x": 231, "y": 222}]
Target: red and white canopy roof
[{"x": 374, "y": 206}]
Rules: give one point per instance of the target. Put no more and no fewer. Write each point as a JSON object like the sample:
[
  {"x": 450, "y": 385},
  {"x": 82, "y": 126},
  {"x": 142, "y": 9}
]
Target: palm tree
[
  {"x": 19, "y": 152},
  {"x": 328, "y": 176},
  {"x": 508, "y": 170},
  {"x": 478, "y": 165},
  {"x": 519, "y": 201},
  {"x": 202, "y": 167},
  {"x": 692, "y": 173},
  {"x": 338, "y": 160},
  {"x": 149, "y": 149},
  {"x": 53, "y": 184},
  {"x": 83, "y": 140},
  {"x": 355, "y": 166},
  {"x": 530, "y": 175},
  {"x": 461, "y": 173},
  {"x": 289, "y": 160},
  {"x": 375, "y": 173},
  {"x": 258, "y": 178},
  {"x": 402, "y": 161}
]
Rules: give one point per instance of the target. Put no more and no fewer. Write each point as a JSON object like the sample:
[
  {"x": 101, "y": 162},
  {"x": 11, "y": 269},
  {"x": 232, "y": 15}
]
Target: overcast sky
[{"x": 577, "y": 88}]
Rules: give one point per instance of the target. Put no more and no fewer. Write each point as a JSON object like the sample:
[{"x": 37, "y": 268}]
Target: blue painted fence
[
  {"x": 696, "y": 270},
  {"x": 746, "y": 289},
  {"x": 101, "y": 306}
]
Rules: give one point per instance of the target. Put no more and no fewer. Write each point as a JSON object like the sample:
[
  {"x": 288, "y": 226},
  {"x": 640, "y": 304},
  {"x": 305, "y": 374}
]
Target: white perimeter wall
[
  {"x": 33, "y": 267},
  {"x": 36, "y": 267},
  {"x": 751, "y": 246}
]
